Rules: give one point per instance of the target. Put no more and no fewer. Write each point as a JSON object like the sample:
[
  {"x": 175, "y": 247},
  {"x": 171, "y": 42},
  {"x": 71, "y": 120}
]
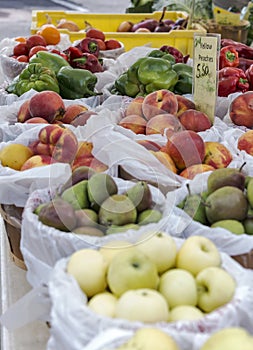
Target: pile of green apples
[
  {"x": 152, "y": 280},
  {"x": 227, "y": 202},
  {"x": 90, "y": 203}
]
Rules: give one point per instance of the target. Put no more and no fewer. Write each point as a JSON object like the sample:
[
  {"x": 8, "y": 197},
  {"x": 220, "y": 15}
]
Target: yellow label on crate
[
  {"x": 222, "y": 16},
  {"x": 205, "y": 70}
]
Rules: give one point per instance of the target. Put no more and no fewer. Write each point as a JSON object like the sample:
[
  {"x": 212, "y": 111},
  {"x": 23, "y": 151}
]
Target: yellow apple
[
  {"x": 185, "y": 312},
  {"x": 89, "y": 268},
  {"x": 110, "y": 249},
  {"x": 103, "y": 303},
  {"x": 197, "y": 253},
  {"x": 144, "y": 305},
  {"x": 179, "y": 287},
  {"x": 160, "y": 247}
]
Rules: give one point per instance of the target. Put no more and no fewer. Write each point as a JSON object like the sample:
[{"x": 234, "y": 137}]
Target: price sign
[{"x": 205, "y": 70}]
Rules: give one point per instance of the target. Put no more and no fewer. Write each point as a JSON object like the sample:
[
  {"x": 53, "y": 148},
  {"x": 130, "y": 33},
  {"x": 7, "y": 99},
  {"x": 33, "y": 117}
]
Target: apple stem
[{"x": 242, "y": 166}]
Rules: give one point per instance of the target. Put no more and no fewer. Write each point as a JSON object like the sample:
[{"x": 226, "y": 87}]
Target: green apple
[
  {"x": 160, "y": 247},
  {"x": 179, "y": 287},
  {"x": 104, "y": 304},
  {"x": 197, "y": 253},
  {"x": 144, "y": 305},
  {"x": 150, "y": 338},
  {"x": 216, "y": 287},
  {"x": 110, "y": 249},
  {"x": 131, "y": 269},
  {"x": 185, "y": 312},
  {"x": 232, "y": 338},
  {"x": 89, "y": 268}
]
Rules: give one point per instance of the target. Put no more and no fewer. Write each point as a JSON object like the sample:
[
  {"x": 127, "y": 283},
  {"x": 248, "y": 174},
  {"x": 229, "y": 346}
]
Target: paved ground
[{"x": 15, "y": 16}]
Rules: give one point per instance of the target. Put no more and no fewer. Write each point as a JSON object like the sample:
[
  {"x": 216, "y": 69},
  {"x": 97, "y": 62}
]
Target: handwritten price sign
[{"x": 205, "y": 68}]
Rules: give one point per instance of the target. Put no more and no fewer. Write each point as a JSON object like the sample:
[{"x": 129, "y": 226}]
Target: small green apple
[
  {"x": 216, "y": 287},
  {"x": 150, "y": 338},
  {"x": 197, "y": 253},
  {"x": 160, "y": 247},
  {"x": 179, "y": 287},
  {"x": 144, "y": 305},
  {"x": 232, "y": 338},
  {"x": 131, "y": 269},
  {"x": 104, "y": 304},
  {"x": 185, "y": 312},
  {"x": 89, "y": 268}
]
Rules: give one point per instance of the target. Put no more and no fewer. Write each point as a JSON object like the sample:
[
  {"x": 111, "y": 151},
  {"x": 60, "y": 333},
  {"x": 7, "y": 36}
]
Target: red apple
[
  {"x": 193, "y": 170},
  {"x": 195, "y": 120},
  {"x": 241, "y": 109},
  {"x": 161, "y": 123},
  {"x": 159, "y": 102},
  {"x": 186, "y": 148},
  {"x": 217, "y": 155},
  {"x": 135, "y": 123}
]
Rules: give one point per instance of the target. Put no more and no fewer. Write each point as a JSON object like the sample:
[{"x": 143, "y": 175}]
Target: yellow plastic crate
[{"x": 109, "y": 22}]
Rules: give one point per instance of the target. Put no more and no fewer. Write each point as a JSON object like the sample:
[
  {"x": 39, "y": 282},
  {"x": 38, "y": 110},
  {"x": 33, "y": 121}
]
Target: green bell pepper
[
  {"x": 162, "y": 54},
  {"x": 125, "y": 87},
  {"x": 76, "y": 83},
  {"x": 50, "y": 60},
  {"x": 132, "y": 72},
  {"x": 156, "y": 73},
  {"x": 36, "y": 77},
  {"x": 185, "y": 77}
]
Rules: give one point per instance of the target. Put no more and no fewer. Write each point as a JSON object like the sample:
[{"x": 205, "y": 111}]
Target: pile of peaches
[{"x": 176, "y": 118}]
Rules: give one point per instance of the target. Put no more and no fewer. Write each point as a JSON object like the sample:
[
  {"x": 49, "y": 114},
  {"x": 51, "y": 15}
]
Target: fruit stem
[
  {"x": 241, "y": 167},
  {"x": 188, "y": 188},
  {"x": 163, "y": 14}
]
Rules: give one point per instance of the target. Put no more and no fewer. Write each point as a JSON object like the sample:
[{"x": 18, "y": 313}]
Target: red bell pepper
[
  {"x": 89, "y": 45},
  {"x": 232, "y": 79},
  {"x": 249, "y": 76},
  {"x": 242, "y": 49},
  {"x": 87, "y": 61},
  {"x": 228, "y": 57}
]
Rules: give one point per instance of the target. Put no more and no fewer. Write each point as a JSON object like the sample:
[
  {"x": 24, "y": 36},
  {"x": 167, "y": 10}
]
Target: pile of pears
[
  {"x": 90, "y": 203},
  {"x": 227, "y": 202}
]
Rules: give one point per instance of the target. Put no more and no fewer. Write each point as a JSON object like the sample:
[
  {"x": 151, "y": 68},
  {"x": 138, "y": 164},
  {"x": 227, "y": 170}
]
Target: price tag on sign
[{"x": 205, "y": 72}]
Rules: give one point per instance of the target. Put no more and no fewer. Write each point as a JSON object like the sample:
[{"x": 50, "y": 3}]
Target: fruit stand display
[{"x": 114, "y": 186}]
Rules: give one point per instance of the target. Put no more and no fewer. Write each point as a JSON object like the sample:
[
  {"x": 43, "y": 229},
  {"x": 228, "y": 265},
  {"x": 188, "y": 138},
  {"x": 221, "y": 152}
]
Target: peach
[
  {"x": 82, "y": 161},
  {"x": 37, "y": 161},
  {"x": 159, "y": 102},
  {"x": 166, "y": 160},
  {"x": 241, "y": 109},
  {"x": 66, "y": 147},
  {"x": 149, "y": 145},
  {"x": 97, "y": 165},
  {"x": 183, "y": 104},
  {"x": 193, "y": 170},
  {"x": 245, "y": 142},
  {"x": 24, "y": 112},
  {"x": 161, "y": 123},
  {"x": 195, "y": 120},
  {"x": 36, "y": 120},
  {"x": 48, "y": 105},
  {"x": 217, "y": 155},
  {"x": 135, "y": 106},
  {"x": 51, "y": 133},
  {"x": 135, "y": 123},
  {"x": 71, "y": 112},
  {"x": 39, "y": 147},
  {"x": 83, "y": 155},
  {"x": 186, "y": 148},
  {"x": 82, "y": 118}
]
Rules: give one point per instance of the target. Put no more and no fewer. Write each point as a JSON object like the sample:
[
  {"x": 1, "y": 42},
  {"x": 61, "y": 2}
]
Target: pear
[
  {"x": 226, "y": 177},
  {"x": 58, "y": 214},
  {"x": 89, "y": 231},
  {"x": 86, "y": 217},
  {"x": 194, "y": 206},
  {"x": 117, "y": 209},
  {"x": 100, "y": 187},
  {"x": 234, "y": 226},
  {"x": 79, "y": 174},
  {"x": 140, "y": 195},
  {"x": 250, "y": 192},
  {"x": 77, "y": 195},
  {"x": 123, "y": 228},
  {"x": 248, "y": 226},
  {"x": 226, "y": 203},
  {"x": 38, "y": 208},
  {"x": 149, "y": 216}
]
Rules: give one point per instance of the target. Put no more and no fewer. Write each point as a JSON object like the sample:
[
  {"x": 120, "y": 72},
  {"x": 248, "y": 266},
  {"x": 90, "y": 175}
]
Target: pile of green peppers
[
  {"x": 49, "y": 71},
  {"x": 156, "y": 71}
]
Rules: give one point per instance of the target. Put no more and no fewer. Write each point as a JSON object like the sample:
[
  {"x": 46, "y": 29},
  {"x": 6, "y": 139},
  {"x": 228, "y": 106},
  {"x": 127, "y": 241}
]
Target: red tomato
[
  {"x": 36, "y": 49},
  {"x": 20, "y": 49},
  {"x": 95, "y": 34},
  {"x": 112, "y": 44}
]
